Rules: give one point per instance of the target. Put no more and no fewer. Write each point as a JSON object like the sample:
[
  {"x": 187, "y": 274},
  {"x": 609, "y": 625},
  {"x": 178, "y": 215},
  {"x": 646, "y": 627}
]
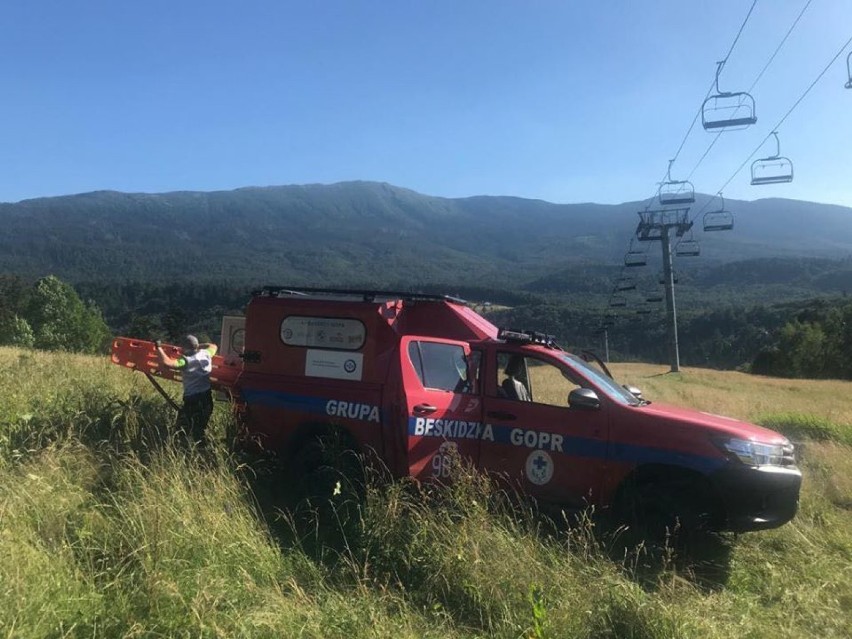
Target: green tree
[
  {"x": 176, "y": 323},
  {"x": 60, "y": 320},
  {"x": 144, "y": 327},
  {"x": 16, "y": 331},
  {"x": 801, "y": 350}
]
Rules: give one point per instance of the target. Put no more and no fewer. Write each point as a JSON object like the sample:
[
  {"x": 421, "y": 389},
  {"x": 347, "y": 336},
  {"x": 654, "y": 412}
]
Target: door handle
[
  {"x": 425, "y": 409},
  {"x": 499, "y": 414}
]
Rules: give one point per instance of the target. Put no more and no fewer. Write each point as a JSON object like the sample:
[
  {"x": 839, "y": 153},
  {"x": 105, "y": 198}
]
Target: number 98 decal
[{"x": 444, "y": 460}]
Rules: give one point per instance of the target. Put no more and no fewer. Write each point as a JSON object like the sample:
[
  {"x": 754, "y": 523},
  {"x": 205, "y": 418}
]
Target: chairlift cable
[
  {"x": 713, "y": 83},
  {"x": 780, "y": 44},
  {"x": 781, "y": 121},
  {"x": 754, "y": 84},
  {"x": 739, "y": 33}
]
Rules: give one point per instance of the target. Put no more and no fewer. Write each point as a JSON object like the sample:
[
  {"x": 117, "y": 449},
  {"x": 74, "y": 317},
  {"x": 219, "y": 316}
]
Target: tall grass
[{"x": 108, "y": 530}]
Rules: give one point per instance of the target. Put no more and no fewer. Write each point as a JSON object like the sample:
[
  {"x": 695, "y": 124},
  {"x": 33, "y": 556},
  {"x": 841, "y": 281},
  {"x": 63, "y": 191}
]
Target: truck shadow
[
  {"x": 267, "y": 478},
  {"x": 703, "y": 560},
  {"x": 322, "y": 530},
  {"x": 700, "y": 558}
]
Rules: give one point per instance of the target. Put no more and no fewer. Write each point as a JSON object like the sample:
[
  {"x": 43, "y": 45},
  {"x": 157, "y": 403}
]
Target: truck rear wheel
[{"x": 328, "y": 476}]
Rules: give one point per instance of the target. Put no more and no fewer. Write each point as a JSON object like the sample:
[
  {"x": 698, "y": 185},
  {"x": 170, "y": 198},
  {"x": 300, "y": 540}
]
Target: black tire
[
  {"x": 328, "y": 477},
  {"x": 670, "y": 510}
]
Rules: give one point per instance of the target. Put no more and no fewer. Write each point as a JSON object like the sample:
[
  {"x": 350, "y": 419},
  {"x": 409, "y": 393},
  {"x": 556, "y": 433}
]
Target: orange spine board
[{"x": 141, "y": 356}]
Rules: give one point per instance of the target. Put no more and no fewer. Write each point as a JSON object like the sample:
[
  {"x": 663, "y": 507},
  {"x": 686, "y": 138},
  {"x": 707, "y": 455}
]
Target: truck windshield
[{"x": 605, "y": 383}]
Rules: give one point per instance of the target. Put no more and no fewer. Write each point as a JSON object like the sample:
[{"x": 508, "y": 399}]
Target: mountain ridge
[{"x": 369, "y": 231}]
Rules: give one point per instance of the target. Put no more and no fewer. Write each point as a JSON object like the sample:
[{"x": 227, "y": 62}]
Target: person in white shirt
[{"x": 195, "y": 365}]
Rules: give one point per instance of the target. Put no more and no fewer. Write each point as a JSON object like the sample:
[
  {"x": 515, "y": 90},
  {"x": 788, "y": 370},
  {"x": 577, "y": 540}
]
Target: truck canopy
[{"x": 302, "y": 331}]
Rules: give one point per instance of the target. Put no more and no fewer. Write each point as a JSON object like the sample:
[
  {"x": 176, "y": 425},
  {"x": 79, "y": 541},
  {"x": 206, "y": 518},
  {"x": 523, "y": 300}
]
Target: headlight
[{"x": 757, "y": 454}]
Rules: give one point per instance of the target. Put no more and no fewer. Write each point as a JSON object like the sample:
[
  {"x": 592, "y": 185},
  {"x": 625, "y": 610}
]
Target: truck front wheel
[{"x": 666, "y": 505}]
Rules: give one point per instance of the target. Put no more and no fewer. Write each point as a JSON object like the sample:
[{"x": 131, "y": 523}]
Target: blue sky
[{"x": 558, "y": 100}]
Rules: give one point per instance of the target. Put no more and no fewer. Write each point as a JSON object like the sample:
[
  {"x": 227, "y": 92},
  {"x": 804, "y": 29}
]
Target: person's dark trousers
[{"x": 194, "y": 416}]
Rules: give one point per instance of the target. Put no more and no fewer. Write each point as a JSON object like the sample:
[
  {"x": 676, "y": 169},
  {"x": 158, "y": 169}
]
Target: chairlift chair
[
  {"x": 625, "y": 284},
  {"x": 774, "y": 169},
  {"x": 654, "y": 298},
  {"x": 718, "y": 219},
  {"x": 687, "y": 247},
  {"x": 643, "y": 311},
  {"x": 616, "y": 301},
  {"x": 727, "y": 111},
  {"x": 635, "y": 257},
  {"x": 674, "y": 192}
]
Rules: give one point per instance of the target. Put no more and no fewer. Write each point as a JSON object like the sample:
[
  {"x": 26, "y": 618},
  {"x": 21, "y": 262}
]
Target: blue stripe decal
[
  {"x": 632, "y": 453},
  {"x": 457, "y": 429},
  {"x": 523, "y": 436},
  {"x": 315, "y": 405},
  {"x": 301, "y": 403}
]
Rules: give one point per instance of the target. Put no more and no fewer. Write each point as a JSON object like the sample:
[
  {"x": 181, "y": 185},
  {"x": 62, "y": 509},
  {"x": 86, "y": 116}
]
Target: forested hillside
[{"x": 368, "y": 232}]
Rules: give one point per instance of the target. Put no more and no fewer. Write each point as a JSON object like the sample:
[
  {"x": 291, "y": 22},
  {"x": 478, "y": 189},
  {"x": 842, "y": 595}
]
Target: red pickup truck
[{"x": 417, "y": 380}]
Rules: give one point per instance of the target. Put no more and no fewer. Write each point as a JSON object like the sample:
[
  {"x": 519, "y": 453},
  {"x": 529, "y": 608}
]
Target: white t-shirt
[{"x": 196, "y": 372}]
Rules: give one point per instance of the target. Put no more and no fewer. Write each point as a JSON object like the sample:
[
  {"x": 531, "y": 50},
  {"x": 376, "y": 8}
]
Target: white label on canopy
[
  {"x": 334, "y": 364},
  {"x": 323, "y": 332}
]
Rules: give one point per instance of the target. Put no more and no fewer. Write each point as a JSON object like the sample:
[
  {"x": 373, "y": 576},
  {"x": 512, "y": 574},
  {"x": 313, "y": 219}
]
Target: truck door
[
  {"x": 443, "y": 408},
  {"x": 552, "y": 451}
]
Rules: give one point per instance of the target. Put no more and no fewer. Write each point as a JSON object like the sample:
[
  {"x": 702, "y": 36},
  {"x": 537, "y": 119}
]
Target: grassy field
[{"x": 106, "y": 530}]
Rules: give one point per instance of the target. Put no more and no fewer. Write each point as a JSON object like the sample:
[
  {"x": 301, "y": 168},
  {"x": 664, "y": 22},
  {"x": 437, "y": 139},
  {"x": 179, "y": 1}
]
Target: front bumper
[{"x": 757, "y": 498}]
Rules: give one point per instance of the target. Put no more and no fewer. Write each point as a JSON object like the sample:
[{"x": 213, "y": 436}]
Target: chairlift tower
[{"x": 661, "y": 225}]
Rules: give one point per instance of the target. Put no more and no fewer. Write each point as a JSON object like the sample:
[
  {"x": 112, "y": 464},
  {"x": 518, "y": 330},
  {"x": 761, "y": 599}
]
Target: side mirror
[
  {"x": 634, "y": 391},
  {"x": 584, "y": 398}
]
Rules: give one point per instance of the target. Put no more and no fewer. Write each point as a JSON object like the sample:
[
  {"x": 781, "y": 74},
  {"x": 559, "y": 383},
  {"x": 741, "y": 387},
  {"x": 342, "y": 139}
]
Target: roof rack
[
  {"x": 365, "y": 295},
  {"x": 526, "y": 337}
]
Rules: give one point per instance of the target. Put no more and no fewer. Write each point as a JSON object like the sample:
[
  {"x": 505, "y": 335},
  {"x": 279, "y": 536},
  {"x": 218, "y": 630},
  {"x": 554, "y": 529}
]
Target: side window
[
  {"x": 440, "y": 366},
  {"x": 512, "y": 379},
  {"x": 531, "y": 379}
]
